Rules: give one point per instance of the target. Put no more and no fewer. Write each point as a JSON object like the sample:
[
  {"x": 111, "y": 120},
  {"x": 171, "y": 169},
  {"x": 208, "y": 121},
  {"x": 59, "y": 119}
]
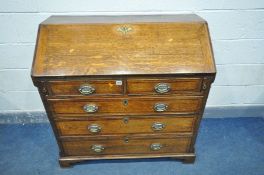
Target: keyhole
[
  {"x": 125, "y": 102},
  {"x": 126, "y": 119}
]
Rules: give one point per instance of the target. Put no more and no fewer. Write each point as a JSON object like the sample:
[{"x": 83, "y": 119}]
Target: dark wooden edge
[
  {"x": 211, "y": 48},
  {"x": 120, "y": 117},
  {"x": 85, "y": 116},
  {"x": 120, "y": 76},
  {"x": 42, "y": 89},
  {"x": 149, "y": 98},
  {"x": 139, "y": 136},
  {"x": 207, "y": 82},
  {"x": 34, "y": 58},
  {"x": 68, "y": 161}
]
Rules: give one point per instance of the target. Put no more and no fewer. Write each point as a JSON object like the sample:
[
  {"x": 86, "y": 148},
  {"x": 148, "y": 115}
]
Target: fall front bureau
[{"x": 117, "y": 87}]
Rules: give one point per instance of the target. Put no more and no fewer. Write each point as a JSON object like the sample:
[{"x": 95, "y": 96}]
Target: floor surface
[{"x": 233, "y": 146}]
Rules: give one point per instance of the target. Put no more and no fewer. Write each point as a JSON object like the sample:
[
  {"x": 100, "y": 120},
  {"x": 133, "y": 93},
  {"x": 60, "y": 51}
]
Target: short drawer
[
  {"x": 123, "y": 106},
  {"x": 126, "y": 125},
  {"x": 126, "y": 145},
  {"x": 164, "y": 86},
  {"x": 86, "y": 88}
]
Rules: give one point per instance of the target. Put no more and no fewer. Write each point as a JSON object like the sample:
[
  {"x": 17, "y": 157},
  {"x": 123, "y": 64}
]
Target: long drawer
[
  {"x": 126, "y": 125},
  {"x": 148, "y": 105},
  {"x": 126, "y": 145}
]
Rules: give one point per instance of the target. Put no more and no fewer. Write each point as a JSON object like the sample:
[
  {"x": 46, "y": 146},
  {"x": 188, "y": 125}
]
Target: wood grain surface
[
  {"x": 134, "y": 105},
  {"x": 133, "y": 146},
  {"x": 126, "y": 125},
  {"x": 103, "y": 49}
]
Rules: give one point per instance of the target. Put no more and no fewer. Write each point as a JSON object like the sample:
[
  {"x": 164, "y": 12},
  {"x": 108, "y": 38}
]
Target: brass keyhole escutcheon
[
  {"x": 126, "y": 120},
  {"x": 204, "y": 86},
  {"x": 126, "y": 139},
  {"x": 125, "y": 102}
]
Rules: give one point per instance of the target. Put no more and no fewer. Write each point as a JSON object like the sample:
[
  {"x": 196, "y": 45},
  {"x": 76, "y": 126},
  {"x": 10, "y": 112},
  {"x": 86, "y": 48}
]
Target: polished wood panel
[
  {"x": 177, "y": 86},
  {"x": 123, "y": 49},
  {"x": 71, "y": 88},
  {"x": 133, "y": 106},
  {"x": 132, "y": 146},
  {"x": 126, "y": 125}
]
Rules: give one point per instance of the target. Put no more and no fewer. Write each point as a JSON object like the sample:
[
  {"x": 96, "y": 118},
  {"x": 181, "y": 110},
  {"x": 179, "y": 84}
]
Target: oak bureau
[{"x": 117, "y": 87}]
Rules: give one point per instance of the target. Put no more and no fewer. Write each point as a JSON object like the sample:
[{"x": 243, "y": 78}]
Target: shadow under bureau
[{"x": 117, "y": 87}]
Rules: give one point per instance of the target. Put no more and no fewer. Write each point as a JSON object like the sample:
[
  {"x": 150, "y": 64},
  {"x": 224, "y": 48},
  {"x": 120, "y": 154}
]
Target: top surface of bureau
[{"x": 123, "y": 45}]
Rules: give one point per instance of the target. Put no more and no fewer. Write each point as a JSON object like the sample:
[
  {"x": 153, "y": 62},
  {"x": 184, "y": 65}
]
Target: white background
[{"x": 236, "y": 26}]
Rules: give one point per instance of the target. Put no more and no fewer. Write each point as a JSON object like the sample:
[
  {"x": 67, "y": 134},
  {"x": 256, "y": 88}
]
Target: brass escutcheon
[
  {"x": 126, "y": 120},
  {"x": 126, "y": 139},
  {"x": 124, "y": 29},
  {"x": 125, "y": 102}
]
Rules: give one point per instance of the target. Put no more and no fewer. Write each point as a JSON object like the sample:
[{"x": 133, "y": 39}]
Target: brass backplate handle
[
  {"x": 160, "y": 107},
  {"x": 90, "y": 108},
  {"x": 94, "y": 128},
  {"x": 158, "y": 126},
  {"x": 98, "y": 148},
  {"x": 155, "y": 146},
  {"x": 86, "y": 89},
  {"x": 162, "y": 88}
]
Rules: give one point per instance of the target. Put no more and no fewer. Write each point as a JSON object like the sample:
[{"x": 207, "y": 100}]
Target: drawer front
[
  {"x": 127, "y": 106},
  {"x": 126, "y": 125},
  {"x": 126, "y": 146},
  {"x": 86, "y": 88},
  {"x": 163, "y": 86}
]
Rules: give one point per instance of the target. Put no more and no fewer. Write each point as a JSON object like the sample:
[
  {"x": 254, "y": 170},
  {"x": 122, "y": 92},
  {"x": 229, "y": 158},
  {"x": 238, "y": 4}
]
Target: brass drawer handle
[
  {"x": 97, "y": 148},
  {"x": 155, "y": 146},
  {"x": 160, "y": 107},
  {"x": 162, "y": 88},
  {"x": 94, "y": 128},
  {"x": 90, "y": 108},
  {"x": 158, "y": 126},
  {"x": 86, "y": 89}
]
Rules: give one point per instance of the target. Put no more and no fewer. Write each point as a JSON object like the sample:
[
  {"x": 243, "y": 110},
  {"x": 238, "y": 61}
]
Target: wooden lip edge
[
  {"x": 110, "y": 76},
  {"x": 129, "y": 79},
  {"x": 72, "y": 116},
  {"x": 139, "y": 136},
  {"x": 70, "y": 138},
  {"x": 45, "y": 76},
  {"x": 135, "y": 156},
  {"x": 149, "y": 98},
  {"x": 179, "y": 93},
  {"x": 120, "y": 117}
]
